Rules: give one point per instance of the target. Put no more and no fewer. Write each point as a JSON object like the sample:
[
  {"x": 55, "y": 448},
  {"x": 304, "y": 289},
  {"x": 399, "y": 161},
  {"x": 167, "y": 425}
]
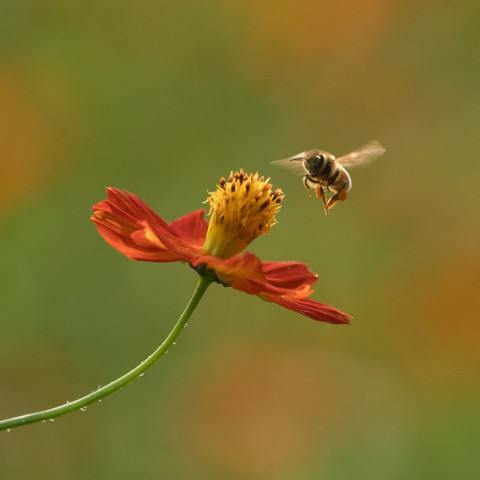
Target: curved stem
[{"x": 112, "y": 387}]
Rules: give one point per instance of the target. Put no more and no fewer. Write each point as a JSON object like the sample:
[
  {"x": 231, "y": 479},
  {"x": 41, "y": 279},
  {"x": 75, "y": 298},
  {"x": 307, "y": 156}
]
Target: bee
[{"x": 328, "y": 175}]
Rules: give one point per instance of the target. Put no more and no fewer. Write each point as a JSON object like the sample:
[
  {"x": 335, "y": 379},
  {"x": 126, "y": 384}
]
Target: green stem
[{"x": 112, "y": 387}]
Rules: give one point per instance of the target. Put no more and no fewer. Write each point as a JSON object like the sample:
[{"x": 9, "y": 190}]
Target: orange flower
[{"x": 241, "y": 208}]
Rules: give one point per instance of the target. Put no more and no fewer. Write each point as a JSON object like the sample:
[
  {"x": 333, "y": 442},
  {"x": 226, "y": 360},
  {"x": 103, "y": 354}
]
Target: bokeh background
[{"x": 162, "y": 98}]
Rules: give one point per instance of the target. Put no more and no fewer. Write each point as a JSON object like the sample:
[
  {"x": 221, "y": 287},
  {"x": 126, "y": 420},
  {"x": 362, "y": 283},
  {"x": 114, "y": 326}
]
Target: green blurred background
[{"x": 163, "y": 98}]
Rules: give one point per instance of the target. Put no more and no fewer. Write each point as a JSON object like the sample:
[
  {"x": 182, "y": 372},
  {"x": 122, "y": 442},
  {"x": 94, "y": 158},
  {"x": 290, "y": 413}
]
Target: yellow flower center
[{"x": 241, "y": 209}]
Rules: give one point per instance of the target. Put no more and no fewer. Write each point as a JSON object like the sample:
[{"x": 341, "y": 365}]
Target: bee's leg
[
  {"x": 307, "y": 184},
  {"x": 339, "y": 196},
  {"x": 320, "y": 193}
]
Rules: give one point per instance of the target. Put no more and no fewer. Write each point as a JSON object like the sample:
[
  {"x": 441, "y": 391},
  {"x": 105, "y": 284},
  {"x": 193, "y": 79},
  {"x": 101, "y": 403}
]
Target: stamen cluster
[{"x": 242, "y": 208}]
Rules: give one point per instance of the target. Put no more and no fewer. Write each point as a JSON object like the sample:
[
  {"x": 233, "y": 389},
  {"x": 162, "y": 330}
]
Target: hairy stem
[{"x": 125, "y": 379}]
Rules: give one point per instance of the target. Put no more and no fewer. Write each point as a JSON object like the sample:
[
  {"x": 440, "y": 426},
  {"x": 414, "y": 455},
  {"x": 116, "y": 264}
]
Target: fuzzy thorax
[{"x": 242, "y": 208}]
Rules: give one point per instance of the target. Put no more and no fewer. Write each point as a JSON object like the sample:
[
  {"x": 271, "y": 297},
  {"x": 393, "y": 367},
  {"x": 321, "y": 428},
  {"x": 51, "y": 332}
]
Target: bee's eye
[{"x": 320, "y": 157}]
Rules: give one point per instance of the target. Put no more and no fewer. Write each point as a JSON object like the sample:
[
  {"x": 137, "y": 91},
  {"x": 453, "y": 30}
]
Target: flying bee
[{"x": 328, "y": 175}]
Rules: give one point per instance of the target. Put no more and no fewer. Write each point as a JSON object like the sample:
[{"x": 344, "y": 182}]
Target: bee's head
[{"x": 315, "y": 160}]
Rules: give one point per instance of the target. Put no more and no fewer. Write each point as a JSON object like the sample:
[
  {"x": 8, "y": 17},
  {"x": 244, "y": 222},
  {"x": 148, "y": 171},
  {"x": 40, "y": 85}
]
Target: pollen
[{"x": 242, "y": 208}]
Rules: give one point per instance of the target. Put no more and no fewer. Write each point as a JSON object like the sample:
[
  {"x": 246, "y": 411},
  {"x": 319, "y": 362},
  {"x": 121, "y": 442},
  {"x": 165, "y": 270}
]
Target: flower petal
[
  {"x": 248, "y": 273},
  {"x": 192, "y": 227},
  {"x": 134, "y": 229},
  {"x": 242, "y": 271},
  {"x": 291, "y": 275},
  {"x": 286, "y": 283},
  {"x": 131, "y": 245},
  {"x": 312, "y": 309}
]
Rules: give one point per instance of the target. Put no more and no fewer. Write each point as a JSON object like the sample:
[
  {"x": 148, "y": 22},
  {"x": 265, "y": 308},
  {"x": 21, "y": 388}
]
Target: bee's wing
[
  {"x": 362, "y": 156},
  {"x": 294, "y": 164}
]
